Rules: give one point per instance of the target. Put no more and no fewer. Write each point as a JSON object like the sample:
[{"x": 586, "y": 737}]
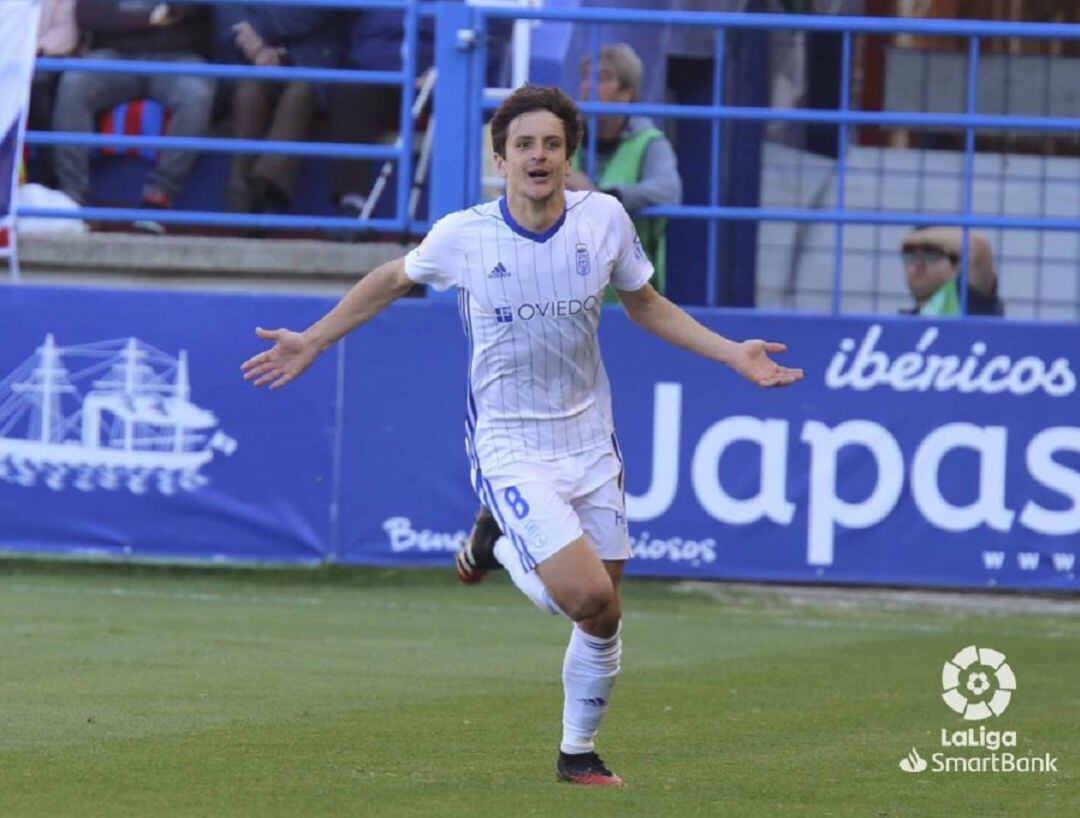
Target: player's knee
[
  {"x": 592, "y": 601},
  {"x": 604, "y": 625}
]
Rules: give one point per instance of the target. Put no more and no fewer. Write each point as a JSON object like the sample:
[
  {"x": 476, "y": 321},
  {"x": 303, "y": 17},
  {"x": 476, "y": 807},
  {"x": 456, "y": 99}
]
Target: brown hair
[{"x": 530, "y": 98}]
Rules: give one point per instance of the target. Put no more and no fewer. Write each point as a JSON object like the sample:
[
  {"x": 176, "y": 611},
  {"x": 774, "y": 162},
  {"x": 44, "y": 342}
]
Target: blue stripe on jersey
[
  {"x": 469, "y": 333},
  {"x": 525, "y": 232},
  {"x": 461, "y": 310},
  {"x": 622, "y": 466},
  {"x": 470, "y": 403},
  {"x": 527, "y": 561},
  {"x": 487, "y": 497}
]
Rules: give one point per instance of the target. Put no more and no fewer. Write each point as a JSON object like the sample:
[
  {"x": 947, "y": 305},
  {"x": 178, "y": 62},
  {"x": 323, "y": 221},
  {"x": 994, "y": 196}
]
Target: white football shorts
[{"x": 544, "y": 506}]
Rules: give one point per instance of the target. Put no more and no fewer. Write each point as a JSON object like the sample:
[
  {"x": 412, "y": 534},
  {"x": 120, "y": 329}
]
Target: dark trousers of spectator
[
  {"x": 360, "y": 114},
  {"x": 82, "y": 95},
  {"x": 272, "y": 111},
  {"x": 39, "y": 118}
]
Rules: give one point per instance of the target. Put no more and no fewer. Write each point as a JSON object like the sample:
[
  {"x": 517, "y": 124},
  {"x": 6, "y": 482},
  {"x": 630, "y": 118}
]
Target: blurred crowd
[{"x": 254, "y": 34}]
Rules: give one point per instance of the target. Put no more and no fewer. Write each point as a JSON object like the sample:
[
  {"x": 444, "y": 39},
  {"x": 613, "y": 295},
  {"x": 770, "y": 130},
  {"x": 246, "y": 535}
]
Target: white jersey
[{"x": 530, "y": 304}]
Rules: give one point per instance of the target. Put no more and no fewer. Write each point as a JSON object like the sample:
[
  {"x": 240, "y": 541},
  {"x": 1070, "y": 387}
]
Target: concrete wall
[{"x": 199, "y": 262}]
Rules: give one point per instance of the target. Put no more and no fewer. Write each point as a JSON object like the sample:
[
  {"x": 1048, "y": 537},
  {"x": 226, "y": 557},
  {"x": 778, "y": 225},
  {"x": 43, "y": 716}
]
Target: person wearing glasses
[{"x": 932, "y": 270}]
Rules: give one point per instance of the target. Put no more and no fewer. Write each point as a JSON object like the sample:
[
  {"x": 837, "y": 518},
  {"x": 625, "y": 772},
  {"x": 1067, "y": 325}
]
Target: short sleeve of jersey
[
  {"x": 436, "y": 261},
  {"x": 632, "y": 269}
]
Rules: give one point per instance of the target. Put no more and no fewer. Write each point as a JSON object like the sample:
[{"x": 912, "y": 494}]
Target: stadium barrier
[{"x": 938, "y": 453}]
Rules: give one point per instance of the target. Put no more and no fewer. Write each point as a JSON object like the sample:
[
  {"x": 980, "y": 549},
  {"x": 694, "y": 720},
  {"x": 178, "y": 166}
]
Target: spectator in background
[
  {"x": 274, "y": 36},
  {"x": 58, "y": 36},
  {"x": 932, "y": 269},
  {"x": 635, "y": 161},
  {"x": 137, "y": 30},
  {"x": 360, "y": 114}
]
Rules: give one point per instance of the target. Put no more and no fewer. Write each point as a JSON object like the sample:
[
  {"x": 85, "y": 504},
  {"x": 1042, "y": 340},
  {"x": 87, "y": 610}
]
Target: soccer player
[{"x": 530, "y": 270}]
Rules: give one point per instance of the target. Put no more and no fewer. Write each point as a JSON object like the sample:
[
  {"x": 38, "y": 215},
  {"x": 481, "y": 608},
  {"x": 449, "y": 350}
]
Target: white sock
[
  {"x": 528, "y": 582},
  {"x": 589, "y": 671}
]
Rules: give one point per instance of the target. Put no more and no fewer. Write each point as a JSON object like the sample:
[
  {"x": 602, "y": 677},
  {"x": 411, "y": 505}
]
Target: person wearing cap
[{"x": 932, "y": 270}]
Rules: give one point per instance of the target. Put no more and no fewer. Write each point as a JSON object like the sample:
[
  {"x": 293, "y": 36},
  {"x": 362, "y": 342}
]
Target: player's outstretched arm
[
  {"x": 293, "y": 352},
  {"x": 651, "y": 311}
]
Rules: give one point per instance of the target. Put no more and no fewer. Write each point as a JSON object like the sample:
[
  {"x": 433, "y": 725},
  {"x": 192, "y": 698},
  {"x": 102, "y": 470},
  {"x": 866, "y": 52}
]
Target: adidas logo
[
  {"x": 499, "y": 271},
  {"x": 597, "y": 701}
]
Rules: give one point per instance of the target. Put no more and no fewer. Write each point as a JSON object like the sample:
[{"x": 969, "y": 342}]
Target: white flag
[{"x": 18, "y": 45}]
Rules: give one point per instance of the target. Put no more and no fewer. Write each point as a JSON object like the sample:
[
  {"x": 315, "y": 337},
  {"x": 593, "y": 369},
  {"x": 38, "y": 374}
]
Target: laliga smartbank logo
[
  {"x": 978, "y": 684},
  {"x": 914, "y": 763}
]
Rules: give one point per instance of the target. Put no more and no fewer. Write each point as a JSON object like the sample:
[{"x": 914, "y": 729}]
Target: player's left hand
[
  {"x": 289, "y": 357},
  {"x": 752, "y": 361}
]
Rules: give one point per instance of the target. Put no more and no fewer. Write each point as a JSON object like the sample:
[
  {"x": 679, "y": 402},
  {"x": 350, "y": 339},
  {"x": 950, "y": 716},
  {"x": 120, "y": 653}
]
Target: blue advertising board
[
  {"x": 913, "y": 453},
  {"x": 941, "y": 453},
  {"x": 125, "y": 429}
]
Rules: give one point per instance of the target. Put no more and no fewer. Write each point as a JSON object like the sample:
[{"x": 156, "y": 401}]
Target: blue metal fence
[{"x": 461, "y": 55}]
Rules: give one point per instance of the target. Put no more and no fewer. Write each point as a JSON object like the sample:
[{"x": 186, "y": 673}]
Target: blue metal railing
[
  {"x": 843, "y": 117},
  {"x": 786, "y": 22},
  {"x": 210, "y": 145},
  {"x": 220, "y": 70}
]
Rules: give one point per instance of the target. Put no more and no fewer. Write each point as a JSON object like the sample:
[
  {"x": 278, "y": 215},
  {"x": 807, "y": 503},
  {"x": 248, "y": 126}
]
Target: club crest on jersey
[
  {"x": 581, "y": 257},
  {"x": 499, "y": 271}
]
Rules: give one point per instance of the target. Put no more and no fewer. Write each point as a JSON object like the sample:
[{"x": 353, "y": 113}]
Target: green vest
[
  {"x": 624, "y": 168},
  {"x": 945, "y": 301}
]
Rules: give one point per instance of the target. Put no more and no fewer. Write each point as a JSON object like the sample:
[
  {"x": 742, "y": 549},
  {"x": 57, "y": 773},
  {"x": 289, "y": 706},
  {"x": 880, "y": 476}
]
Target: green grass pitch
[{"x": 146, "y": 692}]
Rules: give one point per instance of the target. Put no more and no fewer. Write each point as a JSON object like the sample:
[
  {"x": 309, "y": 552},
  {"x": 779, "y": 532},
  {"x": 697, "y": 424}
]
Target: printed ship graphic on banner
[{"x": 134, "y": 427}]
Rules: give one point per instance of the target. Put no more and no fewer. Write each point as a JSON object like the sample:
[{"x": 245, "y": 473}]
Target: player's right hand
[{"x": 291, "y": 354}]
